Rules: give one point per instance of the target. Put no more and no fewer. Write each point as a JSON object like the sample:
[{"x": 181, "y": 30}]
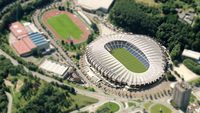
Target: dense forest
[
  {"x": 161, "y": 23},
  {"x": 17, "y": 11},
  {"x": 50, "y": 99},
  {"x": 6, "y": 68},
  {"x": 43, "y": 97}
]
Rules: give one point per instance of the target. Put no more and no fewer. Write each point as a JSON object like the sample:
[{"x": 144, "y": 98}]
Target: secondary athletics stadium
[{"x": 124, "y": 60}]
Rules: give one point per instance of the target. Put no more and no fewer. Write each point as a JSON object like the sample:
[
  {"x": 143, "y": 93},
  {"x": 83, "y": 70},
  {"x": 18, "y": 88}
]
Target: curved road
[{"x": 10, "y": 99}]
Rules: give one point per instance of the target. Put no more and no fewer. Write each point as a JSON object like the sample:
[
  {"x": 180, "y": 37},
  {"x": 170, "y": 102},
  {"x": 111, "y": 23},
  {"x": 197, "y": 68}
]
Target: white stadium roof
[
  {"x": 54, "y": 67},
  {"x": 95, "y": 4},
  {"x": 192, "y": 54},
  {"x": 101, "y": 59}
]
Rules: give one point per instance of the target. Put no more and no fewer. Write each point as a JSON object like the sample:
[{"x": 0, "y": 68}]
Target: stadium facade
[{"x": 147, "y": 51}]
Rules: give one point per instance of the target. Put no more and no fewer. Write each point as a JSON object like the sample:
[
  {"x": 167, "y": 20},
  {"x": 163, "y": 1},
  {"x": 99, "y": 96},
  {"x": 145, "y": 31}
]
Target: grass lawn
[
  {"x": 156, "y": 109},
  {"x": 82, "y": 100},
  {"x": 147, "y": 104},
  {"x": 109, "y": 107},
  {"x": 192, "y": 98},
  {"x": 130, "y": 104},
  {"x": 64, "y": 26},
  {"x": 128, "y": 60},
  {"x": 151, "y": 3}
]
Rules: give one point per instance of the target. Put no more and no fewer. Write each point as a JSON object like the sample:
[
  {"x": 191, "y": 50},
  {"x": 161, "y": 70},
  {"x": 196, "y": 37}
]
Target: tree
[
  {"x": 176, "y": 52},
  {"x": 90, "y": 38},
  {"x": 196, "y": 26},
  {"x": 135, "y": 17},
  {"x": 196, "y": 45},
  {"x": 63, "y": 42},
  {"x": 95, "y": 28},
  {"x": 14, "y": 70},
  {"x": 78, "y": 56}
]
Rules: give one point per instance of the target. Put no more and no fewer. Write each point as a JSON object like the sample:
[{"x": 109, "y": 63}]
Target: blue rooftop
[{"x": 38, "y": 39}]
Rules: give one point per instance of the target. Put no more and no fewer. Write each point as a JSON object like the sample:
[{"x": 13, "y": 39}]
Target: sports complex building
[
  {"x": 26, "y": 39},
  {"x": 130, "y": 61}
]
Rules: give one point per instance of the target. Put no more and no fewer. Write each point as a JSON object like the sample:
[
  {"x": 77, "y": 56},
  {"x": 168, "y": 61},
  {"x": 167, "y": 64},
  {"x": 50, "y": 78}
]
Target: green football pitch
[
  {"x": 128, "y": 60},
  {"x": 64, "y": 26}
]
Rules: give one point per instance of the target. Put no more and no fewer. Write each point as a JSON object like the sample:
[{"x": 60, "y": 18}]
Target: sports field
[
  {"x": 64, "y": 26},
  {"x": 128, "y": 60}
]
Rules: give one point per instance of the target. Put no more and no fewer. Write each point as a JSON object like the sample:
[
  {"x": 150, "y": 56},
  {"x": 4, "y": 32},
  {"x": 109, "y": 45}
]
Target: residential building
[
  {"x": 181, "y": 94},
  {"x": 193, "y": 108}
]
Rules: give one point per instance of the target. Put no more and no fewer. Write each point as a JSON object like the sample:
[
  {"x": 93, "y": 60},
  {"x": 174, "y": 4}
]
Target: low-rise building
[
  {"x": 30, "y": 27},
  {"x": 28, "y": 39},
  {"x": 42, "y": 44},
  {"x": 96, "y": 6},
  {"x": 187, "y": 16},
  {"x": 18, "y": 30},
  {"x": 191, "y": 54},
  {"x": 56, "y": 69},
  {"x": 193, "y": 108}
]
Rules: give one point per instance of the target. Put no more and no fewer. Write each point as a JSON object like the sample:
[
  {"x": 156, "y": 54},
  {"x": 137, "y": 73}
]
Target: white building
[
  {"x": 95, "y": 6},
  {"x": 30, "y": 27},
  {"x": 191, "y": 54},
  {"x": 56, "y": 68}
]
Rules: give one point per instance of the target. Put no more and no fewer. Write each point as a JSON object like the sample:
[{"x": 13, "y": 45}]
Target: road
[
  {"x": 99, "y": 96},
  {"x": 10, "y": 100},
  {"x": 14, "y": 62}
]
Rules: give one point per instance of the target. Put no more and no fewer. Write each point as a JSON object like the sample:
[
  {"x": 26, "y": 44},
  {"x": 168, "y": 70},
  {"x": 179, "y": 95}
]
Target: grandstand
[{"x": 145, "y": 50}]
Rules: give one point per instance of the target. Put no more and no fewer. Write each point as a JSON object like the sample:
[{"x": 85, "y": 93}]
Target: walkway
[{"x": 10, "y": 101}]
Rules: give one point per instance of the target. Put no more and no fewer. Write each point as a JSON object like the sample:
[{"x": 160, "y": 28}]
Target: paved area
[
  {"x": 10, "y": 101},
  {"x": 105, "y": 30},
  {"x": 94, "y": 107},
  {"x": 196, "y": 92},
  {"x": 186, "y": 73}
]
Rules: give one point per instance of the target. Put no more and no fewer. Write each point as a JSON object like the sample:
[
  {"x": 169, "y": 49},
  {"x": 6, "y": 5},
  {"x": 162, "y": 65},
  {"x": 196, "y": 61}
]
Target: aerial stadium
[{"x": 131, "y": 61}]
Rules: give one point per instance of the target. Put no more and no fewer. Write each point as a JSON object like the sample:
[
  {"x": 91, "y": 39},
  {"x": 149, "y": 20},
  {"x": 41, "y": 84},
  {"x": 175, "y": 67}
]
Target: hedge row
[{"x": 192, "y": 65}]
